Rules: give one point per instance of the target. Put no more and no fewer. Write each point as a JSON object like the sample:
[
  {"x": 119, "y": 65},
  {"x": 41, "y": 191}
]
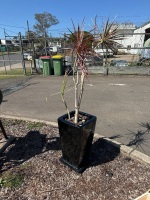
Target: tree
[
  {"x": 31, "y": 36},
  {"x": 44, "y": 21}
]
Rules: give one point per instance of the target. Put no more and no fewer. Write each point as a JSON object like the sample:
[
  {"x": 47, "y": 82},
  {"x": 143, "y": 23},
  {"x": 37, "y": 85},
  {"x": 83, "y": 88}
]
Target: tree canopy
[
  {"x": 43, "y": 22},
  {"x": 31, "y": 36}
]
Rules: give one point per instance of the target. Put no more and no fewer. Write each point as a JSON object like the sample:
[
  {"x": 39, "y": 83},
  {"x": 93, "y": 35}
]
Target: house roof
[{"x": 144, "y": 24}]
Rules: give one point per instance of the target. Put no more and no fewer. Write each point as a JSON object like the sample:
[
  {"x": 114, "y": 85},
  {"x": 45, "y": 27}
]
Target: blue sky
[{"x": 15, "y": 13}]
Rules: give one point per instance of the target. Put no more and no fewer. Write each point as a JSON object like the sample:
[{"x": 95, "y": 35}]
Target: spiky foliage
[
  {"x": 88, "y": 38},
  {"x": 109, "y": 36},
  {"x": 81, "y": 43}
]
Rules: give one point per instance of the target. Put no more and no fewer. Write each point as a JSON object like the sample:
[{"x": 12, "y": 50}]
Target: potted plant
[{"x": 76, "y": 128}]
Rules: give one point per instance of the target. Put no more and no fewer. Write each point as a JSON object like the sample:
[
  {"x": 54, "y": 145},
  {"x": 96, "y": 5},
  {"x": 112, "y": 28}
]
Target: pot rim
[{"x": 63, "y": 117}]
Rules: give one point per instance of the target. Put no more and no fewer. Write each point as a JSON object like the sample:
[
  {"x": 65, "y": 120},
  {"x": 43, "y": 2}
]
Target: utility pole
[
  {"x": 21, "y": 49},
  {"x": 45, "y": 44},
  {"x": 31, "y": 47},
  {"x": 7, "y": 48},
  {"x": 28, "y": 27},
  {"x": 30, "y": 44},
  {"x": 64, "y": 43}
]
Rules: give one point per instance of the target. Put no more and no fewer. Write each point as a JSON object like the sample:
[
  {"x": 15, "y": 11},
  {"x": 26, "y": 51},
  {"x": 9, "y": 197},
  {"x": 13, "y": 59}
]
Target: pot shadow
[
  {"x": 24, "y": 148},
  {"x": 103, "y": 152}
]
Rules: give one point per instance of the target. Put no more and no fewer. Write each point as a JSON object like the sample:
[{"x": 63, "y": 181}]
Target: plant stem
[
  {"x": 76, "y": 98},
  {"x": 81, "y": 88},
  {"x": 63, "y": 93},
  {"x": 66, "y": 106}
]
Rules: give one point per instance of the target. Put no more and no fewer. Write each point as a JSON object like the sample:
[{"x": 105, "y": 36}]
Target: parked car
[
  {"x": 89, "y": 60},
  {"x": 51, "y": 49},
  {"x": 104, "y": 52},
  {"x": 45, "y": 51},
  {"x": 98, "y": 60},
  {"x": 119, "y": 63},
  {"x": 28, "y": 55},
  {"x": 94, "y": 60},
  {"x": 59, "y": 50}
]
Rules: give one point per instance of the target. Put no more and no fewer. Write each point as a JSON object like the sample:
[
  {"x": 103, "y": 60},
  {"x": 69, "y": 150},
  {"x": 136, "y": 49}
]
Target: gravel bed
[{"x": 34, "y": 156}]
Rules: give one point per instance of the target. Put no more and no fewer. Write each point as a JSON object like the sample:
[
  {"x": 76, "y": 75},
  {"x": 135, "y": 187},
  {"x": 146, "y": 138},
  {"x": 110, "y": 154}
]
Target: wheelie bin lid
[
  {"x": 57, "y": 56},
  {"x": 45, "y": 57}
]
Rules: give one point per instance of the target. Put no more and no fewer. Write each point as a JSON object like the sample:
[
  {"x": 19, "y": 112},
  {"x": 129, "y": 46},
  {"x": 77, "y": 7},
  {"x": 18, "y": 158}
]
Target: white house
[
  {"x": 134, "y": 37},
  {"x": 5, "y": 42}
]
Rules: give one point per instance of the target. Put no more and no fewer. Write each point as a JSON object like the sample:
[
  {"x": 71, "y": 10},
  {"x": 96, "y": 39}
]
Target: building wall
[
  {"x": 6, "y": 42},
  {"x": 135, "y": 40}
]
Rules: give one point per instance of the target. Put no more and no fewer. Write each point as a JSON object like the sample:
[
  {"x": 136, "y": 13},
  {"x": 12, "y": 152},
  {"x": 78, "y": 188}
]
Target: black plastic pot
[{"x": 76, "y": 141}]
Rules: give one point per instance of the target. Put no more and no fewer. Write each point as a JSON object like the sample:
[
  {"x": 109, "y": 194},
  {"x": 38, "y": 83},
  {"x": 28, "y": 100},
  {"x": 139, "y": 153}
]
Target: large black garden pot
[{"x": 76, "y": 141}]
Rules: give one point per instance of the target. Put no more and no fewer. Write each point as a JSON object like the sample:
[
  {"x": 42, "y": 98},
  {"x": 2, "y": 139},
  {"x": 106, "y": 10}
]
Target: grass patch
[
  {"x": 14, "y": 72},
  {"x": 6, "y": 53},
  {"x": 35, "y": 125},
  {"x": 13, "y": 122},
  {"x": 30, "y": 125},
  {"x": 25, "y": 165},
  {"x": 11, "y": 180},
  {"x": 2, "y": 77}
]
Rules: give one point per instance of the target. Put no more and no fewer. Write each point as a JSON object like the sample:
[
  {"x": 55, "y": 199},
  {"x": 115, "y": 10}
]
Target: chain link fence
[{"x": 132, "y": 57}]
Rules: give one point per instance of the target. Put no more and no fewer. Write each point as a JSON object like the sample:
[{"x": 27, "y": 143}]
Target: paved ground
[{"x": 121, "y": 104}]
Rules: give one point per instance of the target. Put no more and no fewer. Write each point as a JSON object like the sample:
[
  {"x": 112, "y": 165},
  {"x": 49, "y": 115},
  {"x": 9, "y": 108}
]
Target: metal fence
[
  {"x": 133, "y": 57},
  {"x": 11, "y": 57}
]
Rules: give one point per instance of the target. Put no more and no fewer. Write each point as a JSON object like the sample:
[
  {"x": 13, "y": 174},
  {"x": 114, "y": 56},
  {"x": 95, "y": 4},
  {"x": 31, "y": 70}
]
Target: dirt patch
[
  {"x": 131, "y": 58},
  {"x": 34, "y": 157}
]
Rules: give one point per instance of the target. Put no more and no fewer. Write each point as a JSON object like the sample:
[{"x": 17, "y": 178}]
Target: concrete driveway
[{"x": 121, "y": 104}]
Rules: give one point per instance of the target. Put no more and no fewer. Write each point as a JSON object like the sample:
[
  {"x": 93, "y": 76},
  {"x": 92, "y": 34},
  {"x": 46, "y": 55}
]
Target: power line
[
  {"x": 8, "y": 30},
  {"x": 13, "y": 26}
]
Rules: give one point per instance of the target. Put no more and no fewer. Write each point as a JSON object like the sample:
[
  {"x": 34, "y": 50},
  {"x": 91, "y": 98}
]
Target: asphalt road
[
  {"x": 121, "y": 104},
  {"x": 14, "y": 59}
]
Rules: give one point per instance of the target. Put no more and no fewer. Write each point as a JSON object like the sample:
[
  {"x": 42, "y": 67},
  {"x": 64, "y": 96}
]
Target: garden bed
[{"x": 30, "y": 168}]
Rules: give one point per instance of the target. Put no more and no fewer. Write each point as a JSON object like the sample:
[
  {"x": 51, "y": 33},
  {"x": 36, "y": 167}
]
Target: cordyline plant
[{"x": 80, "y": 47}]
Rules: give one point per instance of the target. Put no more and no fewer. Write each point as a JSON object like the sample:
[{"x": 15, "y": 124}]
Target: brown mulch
[{"x": 35, "y": 154}]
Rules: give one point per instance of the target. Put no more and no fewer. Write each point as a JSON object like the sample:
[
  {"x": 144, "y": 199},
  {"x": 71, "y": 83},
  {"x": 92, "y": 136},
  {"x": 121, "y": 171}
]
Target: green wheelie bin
[
  {"x": 47, "y": 65},
  {"x": 58, "y": 65}
]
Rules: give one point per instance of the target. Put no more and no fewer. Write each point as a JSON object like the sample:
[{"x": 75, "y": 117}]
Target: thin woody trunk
[
  {"x": 66, "y": 106},
  {"x": 81, "y": 89},
  {"x": 63, "y": 93},
  {"x": 76, "y": 99}
]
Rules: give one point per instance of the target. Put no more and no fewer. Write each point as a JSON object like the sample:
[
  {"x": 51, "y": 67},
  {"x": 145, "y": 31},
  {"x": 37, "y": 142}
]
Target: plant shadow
[
  {"x": 29, "y": 146},
  {"x": 115, "y": 137},
  {"x": 139, "y": 138},
  {"x": 103, "y": 152},
  {"x": 53, "y": 143}
]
